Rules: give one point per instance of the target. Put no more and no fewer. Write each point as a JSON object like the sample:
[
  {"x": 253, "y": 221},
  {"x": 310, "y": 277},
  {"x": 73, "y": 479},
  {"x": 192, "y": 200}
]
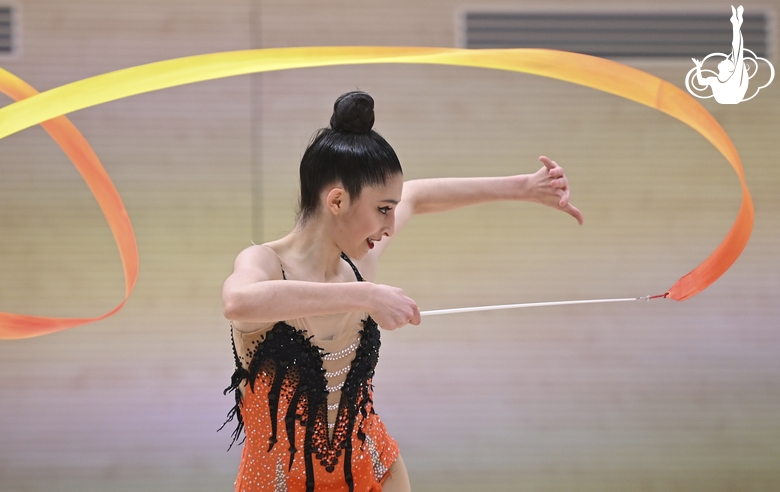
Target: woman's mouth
[{"x": 370, "y": 243}]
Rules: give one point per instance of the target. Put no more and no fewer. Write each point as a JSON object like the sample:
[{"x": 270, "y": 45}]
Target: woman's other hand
[{"x": 549, "y": 186}]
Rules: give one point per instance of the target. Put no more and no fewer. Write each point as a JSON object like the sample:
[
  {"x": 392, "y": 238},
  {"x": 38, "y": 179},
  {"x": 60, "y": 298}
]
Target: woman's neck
[{"x": 312, "y": 248}]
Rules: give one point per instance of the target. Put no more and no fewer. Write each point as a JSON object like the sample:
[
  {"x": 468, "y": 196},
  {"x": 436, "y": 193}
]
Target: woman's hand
[
  {"x": 549, "y": 186},
  {"x": 391, "y": 308}
]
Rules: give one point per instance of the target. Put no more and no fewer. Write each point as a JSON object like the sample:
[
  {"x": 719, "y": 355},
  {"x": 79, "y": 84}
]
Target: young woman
[{"x": 305, "y": 313}]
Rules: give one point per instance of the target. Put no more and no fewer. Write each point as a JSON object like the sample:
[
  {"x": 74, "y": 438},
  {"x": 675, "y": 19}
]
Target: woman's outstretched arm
[{"x": 548, "y": 186}]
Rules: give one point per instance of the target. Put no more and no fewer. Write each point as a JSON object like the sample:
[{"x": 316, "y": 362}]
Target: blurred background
[{"x": 658, "y": 396}]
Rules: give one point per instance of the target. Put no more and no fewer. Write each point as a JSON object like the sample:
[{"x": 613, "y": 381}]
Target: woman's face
[{"x": 369, "y": 218}]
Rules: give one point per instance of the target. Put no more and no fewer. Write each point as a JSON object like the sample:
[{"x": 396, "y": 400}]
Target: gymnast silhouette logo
[{"x": 730, "y": 84}]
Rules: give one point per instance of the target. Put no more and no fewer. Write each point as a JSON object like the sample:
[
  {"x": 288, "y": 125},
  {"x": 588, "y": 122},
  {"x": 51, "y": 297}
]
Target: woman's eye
[{"x": 384, "y": 210}]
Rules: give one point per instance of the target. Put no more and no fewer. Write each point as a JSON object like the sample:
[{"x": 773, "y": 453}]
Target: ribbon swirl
[{"x": 48, "y": 108}]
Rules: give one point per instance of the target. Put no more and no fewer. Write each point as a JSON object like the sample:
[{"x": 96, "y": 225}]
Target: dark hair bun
[{"x": 353, "y": 112}]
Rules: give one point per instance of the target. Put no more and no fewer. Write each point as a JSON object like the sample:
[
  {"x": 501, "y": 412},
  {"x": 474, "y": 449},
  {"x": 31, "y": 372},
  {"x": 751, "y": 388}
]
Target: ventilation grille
[
  {"x": 6, "y": 37},
  {"x": 616, "y": 35}
]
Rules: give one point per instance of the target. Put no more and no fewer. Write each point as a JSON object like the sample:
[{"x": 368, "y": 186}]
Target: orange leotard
[{"x": 307, "y": 408}]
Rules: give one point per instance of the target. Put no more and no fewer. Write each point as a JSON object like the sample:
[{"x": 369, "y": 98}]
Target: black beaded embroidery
[{"x": 288, "y": 360}]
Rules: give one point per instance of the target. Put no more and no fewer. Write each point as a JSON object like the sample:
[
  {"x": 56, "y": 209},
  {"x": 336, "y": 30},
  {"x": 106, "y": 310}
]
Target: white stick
[{"x": 528, "y": 304}]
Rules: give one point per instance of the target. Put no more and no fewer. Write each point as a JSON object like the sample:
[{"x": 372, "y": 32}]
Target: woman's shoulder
[
  {"x": 258, "y": 255},
  {"x": 257, "y": 263}
]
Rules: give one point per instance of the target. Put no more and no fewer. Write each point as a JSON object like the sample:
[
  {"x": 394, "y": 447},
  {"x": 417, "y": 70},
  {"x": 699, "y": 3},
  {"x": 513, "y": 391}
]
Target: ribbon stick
[
  {"x": 524, "y": 305},
  {"x": 534, "y": 304},
  {"x": 600, "y": 74}
]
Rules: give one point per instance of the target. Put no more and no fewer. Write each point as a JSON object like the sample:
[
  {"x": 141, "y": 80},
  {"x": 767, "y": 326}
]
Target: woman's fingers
[
  {"x": 560, "y": 188},
  {"x": 548, "y": 163},
  {"x": 564, "y": 194},
  {"x": 574, "y": 212},
  {"x": 416, "y": 318}
]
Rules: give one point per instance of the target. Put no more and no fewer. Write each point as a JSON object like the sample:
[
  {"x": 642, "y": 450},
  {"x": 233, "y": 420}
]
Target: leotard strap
[{"x": 354, "y": 268}]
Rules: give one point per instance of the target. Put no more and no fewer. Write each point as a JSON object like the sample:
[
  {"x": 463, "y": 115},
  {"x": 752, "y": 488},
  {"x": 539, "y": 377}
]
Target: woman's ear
[{"x": 337, "y": 201}]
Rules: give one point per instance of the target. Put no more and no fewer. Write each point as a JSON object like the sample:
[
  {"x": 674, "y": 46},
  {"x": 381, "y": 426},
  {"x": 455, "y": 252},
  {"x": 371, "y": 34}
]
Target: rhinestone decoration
[
  {"x": 342, "y": 353},
  {"x": 338, "y": 373},
  {"x": 332, "y": 389}
]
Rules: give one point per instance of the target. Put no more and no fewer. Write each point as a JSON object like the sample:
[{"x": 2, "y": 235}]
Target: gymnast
[{"x": 304, "y": 311}]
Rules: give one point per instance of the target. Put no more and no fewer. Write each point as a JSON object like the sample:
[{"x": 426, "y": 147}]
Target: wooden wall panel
[{"x": 650, "y": 396}]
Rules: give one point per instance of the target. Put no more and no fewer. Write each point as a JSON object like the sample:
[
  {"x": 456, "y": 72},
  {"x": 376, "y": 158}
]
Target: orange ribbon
[
  {"x": 78, "y": 150},
  {"x": 49, "y": 107}
]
